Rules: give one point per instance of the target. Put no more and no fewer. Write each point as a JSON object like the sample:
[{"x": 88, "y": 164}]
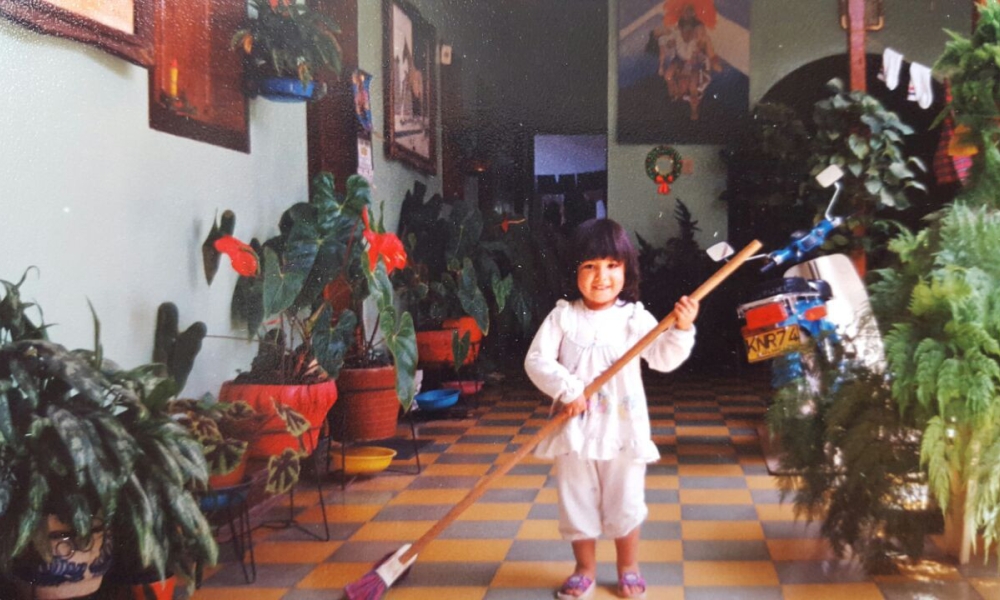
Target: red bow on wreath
[{"x": 664, "y": 187}]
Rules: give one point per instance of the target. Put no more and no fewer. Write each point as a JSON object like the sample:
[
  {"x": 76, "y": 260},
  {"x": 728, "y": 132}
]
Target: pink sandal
[
  {"x": 632, "y": 580},
  {"x": 576, "y": 583}
]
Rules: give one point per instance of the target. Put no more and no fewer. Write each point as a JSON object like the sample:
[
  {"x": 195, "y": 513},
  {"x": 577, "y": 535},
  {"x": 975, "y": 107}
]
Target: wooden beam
[{"x": 856, "y": 44}]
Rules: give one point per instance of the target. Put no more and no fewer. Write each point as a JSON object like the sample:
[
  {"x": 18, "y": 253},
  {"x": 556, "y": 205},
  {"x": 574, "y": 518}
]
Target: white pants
[{"x": 600, "y": 497}]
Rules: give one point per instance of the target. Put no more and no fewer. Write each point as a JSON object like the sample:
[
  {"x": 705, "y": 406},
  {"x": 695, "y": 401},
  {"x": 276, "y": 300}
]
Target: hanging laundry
[
  {"x": 891, "y": 63},
  {"x": 920, "y": 90}
]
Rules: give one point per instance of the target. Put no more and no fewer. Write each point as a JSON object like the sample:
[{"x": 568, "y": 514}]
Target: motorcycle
[{"x": 819, "y": 303}]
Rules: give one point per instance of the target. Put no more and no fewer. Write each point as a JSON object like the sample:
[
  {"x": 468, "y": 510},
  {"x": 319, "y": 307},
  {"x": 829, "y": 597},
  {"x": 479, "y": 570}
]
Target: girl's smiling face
[{"x": 600, "y": 280}]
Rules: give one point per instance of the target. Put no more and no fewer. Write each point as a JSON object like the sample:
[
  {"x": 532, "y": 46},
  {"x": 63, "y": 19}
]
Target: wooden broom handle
[{"x": 475, "y": 493}]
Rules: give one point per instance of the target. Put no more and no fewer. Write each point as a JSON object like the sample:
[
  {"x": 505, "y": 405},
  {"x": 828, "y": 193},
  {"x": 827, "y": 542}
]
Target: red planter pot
[
  {"x": 368, "y": 407},
  {"x": 434, "y": 347},
  {"x": 312, "y": 401},
  {"x": 161, "y": 590}
]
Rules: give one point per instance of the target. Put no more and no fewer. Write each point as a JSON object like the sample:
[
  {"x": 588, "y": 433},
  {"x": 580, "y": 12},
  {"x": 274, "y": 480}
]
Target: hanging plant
[{"x": 663, "y": 176}]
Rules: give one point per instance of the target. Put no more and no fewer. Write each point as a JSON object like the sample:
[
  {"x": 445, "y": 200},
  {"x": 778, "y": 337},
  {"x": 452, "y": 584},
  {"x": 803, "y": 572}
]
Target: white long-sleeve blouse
[{"x": 572, "y": 347}]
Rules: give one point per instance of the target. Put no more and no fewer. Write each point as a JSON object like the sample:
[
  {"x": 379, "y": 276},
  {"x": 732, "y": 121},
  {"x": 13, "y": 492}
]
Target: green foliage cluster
[
  {"x": 79, "y": 438},
  {"x": 856, "y": 133},
  {"x": 678, "y": 267},
  {"x": 670, "y": 271},
  {"x": 772, "y": 166},
  {"x": 303, "y": 337},
  {"x": 942, "y": 306},
  {"x": 226, "y": 429},
  {"x": 289, "y": 39},
  {"x": 460, "y": 263},
  {"x": 943, "y": 349},
  {"x": 855, "y": 461}
]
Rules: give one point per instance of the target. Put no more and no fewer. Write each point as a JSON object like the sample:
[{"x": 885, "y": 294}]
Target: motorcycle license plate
[{"x": 766, "y": 344}]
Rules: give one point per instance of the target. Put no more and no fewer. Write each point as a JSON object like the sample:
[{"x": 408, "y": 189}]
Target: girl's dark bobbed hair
[{"x": 604, "y": 238}]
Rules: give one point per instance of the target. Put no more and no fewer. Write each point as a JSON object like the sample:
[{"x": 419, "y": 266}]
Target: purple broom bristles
[{"x": 369, "y": 587}]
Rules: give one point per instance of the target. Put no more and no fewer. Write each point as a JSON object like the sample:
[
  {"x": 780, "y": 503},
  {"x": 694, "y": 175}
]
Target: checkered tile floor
[{"x": 717, "y": 529}]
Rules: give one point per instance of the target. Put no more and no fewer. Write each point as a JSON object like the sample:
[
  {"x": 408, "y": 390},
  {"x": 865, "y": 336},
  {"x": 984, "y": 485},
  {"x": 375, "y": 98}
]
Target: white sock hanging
[
  {"x": 920, "y": 90},
  {"x": 891, "y": 63}
]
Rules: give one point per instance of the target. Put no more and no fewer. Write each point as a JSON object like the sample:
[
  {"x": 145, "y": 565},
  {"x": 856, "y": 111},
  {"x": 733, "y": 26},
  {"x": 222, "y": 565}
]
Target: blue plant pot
[{"x": 286, "y": 89}]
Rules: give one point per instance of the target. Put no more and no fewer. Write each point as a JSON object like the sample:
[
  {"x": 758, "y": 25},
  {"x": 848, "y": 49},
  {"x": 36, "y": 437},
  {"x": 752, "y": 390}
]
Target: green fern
[{"x": 854, "y": 459}]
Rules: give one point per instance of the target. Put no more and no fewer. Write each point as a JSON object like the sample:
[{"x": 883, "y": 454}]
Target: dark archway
[{"x": 803, "y": 87}]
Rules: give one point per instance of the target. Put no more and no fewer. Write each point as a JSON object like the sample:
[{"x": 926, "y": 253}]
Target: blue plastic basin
[{"x": 437, "y": 399}]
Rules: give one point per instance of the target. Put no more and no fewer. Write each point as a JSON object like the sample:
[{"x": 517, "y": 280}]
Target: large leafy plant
[
  {"x": 303, "y": 300},
  {"x": 456, "y": 267},
  {"x": 77, "y": 442},
  {"x": 856, "y": 133},
  {"x": 943, "y": 345}
]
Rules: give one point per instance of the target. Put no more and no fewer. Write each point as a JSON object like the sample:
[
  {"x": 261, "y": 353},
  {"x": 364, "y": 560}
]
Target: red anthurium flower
[
  {"x": 385, "y": 245},
  {"x": 242, "y": 256}
]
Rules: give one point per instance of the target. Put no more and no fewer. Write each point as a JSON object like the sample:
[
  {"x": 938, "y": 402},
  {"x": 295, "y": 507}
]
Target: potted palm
[
  {"x": 302, "y": 303},
  {"x": 285, "y": 45}
]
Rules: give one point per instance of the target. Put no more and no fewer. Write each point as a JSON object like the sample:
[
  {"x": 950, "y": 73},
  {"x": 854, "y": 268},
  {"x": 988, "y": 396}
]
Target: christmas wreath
[{"x": 653, "y": 171}]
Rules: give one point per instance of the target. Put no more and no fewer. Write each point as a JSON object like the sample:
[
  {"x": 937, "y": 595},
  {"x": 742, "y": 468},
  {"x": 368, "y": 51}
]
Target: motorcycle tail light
[
  {"x": 815, "y": 313},
  {"x": 765, "y": 316}
]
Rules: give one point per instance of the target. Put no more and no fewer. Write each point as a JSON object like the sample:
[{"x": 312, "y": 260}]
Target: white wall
[{"x": 112, "y": 211}]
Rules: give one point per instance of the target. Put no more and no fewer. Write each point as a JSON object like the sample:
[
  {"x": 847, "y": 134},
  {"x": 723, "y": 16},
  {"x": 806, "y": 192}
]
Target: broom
[{"x": 374, "y": 584}]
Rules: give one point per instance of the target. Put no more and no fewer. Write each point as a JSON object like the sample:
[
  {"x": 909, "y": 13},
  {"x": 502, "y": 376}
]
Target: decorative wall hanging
[
  {"x": 123, "y": 28},
  {"x": 663, "y": 166},
  {"x": 360, "y": 84},
  {"x": 195, "y": 84},
  {"x": 409, "y": 60},
  {"x": 683, "y": 70}
]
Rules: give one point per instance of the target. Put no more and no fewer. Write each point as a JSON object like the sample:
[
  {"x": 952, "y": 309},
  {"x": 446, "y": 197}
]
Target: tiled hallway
[{"x": 717, "y": 529}]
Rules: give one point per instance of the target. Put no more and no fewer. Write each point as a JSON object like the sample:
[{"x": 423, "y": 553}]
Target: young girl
[{"x": 602, "y": 450}]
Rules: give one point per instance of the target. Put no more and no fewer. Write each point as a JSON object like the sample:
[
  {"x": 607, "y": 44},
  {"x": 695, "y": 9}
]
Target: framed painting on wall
[
  {"x": 683, "y": 70},
  {"x": 409, "y": 61},
  {"x": 122, "y": 27}
]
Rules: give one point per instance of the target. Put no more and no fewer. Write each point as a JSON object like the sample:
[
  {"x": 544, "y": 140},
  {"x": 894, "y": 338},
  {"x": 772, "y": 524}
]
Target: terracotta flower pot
[
  {"x": 312, "y": 401},
  {"x": 434, "y": 347},
  {"x": 368, "y": 407}
]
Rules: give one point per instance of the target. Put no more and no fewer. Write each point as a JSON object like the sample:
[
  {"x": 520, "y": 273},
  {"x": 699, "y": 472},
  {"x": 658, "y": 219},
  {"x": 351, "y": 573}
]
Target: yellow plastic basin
[{"x": 362, "y": 460}]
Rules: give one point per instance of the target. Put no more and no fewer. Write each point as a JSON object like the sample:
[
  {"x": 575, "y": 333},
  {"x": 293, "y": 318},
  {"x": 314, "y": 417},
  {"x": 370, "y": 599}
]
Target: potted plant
[
  {"x": 457, "y": 275},
  {"x": 225, "y": 431},
  {"x": 72, "y": 444},
  {"x": 941, "y": 304},
  {"x": 303, "y": 300},
  {"x": 855, "y": 132},
  {"x": 285, "y": 45}
]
